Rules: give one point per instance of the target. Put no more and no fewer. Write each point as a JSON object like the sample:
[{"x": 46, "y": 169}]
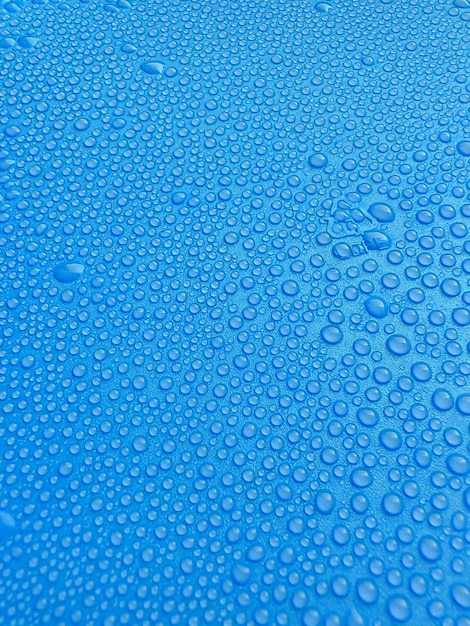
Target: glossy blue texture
[{"x": 234, "y": 313}]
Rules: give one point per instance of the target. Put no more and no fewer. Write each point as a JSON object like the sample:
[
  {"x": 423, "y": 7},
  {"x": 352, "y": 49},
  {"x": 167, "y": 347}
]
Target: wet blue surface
[{"x": 234, "y": 313}]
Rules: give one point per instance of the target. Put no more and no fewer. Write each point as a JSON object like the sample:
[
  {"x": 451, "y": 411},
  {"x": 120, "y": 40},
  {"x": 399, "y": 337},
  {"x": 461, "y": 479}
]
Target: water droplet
[
  {"x": 421, "y": 371},
  {"x": 392, "y": 504},
  {"x": 68, "y": 272},
  {"x": 323, "y": 7},
  {"x": 290, "y": 288},
  {"x": 317, "y": 160},
  {"x": 463, "y": 404},
  {"x": 7, "y": 526},
  {"x": 324, "y": 502},
  {"x": 429, "y": 548},
  {"x": 377, "y": 307},
  {"x": 458, "y": 464},
  {"x": 398, "y": 345},
  {"x": 442, "y": 400},
  {"x": 464, "y": 148},
  {"x": 152, "y": 67},
  {"x": 399, "y": 609},
  {"x": 383, "y": 213},
  {"x": 390, "y": 439},
  {"x": 367, "y": 591},
  {"x": 241, "y": 574},
  {"x": 332, "y": 334},
  {"x": 27, "y": 42},
  {"x": 461, "y": 595},
  {"x": 367, "y": 417}
]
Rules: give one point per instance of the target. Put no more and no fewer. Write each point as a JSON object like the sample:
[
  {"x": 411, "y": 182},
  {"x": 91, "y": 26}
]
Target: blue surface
[{"x": 234, "y": 313}]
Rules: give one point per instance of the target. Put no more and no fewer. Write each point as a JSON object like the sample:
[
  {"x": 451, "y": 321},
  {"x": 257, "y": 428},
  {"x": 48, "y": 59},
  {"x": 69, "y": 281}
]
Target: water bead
[
  {"x": 451, "y": 287},
  {"x": 317, "y": 160},
  {"x": 409, "y": 317},
  {"x": 367, "y": 591},
  {"x": 68, "y": 272},
  {"x": 332, "y": 334},
  {"x": 463, "y": 404},
  {"x": 27, "y": 42},
  {"x": 367, "y": 417},
  {"x": 376, "y": 307},
  {"x": 437, "y": 318},
  {"x": 361, "y": 478},
  {"x": 178, "y": 198},
  {"x": 429, "y": 548},
  {"x": 376, "y": 240},
  {"x": 390, "y": 439},
  {"x": 323, "y": 7},
  {"x": 461, "y": 317},
  {"x": 324, "y": 502},
  {"x": 399, "y": 609},
  {"x": 458, "y": 464},
  {"x": 241, "y": 574},
  {"x": 392, "y": 504},
  {"x": 154, "y": 68},
  {"x": 463, "y": 148},
  {"x": 128, "y": 48},
  {"x": 442, "y": 400},
  {"x": 421, "y": 371},
  {"x": 290, "y": 288},
  {"x": 398, "y": 345},
  {"x": 81, "y": 124},
  {"x": 359, "y": 504},
  {"x": 461, "y": 595},
  {"x": 383, "y": 213},
  {"x": 7, "y": 526}
]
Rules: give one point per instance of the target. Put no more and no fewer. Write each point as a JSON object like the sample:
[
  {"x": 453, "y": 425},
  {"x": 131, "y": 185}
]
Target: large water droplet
[
  {"x": 152, "y": 67},
  {"x": 68, "y": 272}
]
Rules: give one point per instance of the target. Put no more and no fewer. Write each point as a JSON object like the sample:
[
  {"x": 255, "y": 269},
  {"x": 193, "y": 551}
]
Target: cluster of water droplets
[{"x": 234, "y": 317}]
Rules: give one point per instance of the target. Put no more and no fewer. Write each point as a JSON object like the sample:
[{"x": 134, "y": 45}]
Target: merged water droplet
[
  {"x": 68, "y": 272},
  {"x": 154, "y": 68}
]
